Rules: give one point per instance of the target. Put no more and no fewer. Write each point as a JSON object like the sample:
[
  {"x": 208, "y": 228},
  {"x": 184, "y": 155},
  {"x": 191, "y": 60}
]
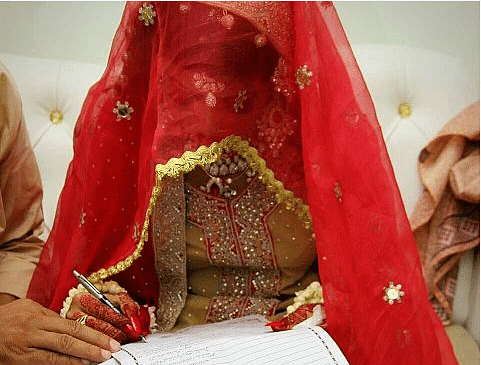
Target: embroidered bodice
[{"x": 246, "y": 253}]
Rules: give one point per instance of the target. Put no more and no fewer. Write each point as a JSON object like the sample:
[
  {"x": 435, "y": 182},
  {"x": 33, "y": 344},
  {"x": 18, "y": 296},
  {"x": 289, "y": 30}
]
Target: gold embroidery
[
  {"x": 303, "y": 76},
  {"x": 242, "y": 282},
  {"x": 222, "y": 308},
  {"x": 234, "y": 229},
  {"x": 338, "y": 191},
  {"x": 227, "y": 20},
  {"x": 260, "y": 40},
  {"x": 282, "y": 79},
  {"x": 208, "y": 85},
  {"x": 393, "y": 293},
  {"x": 203, "y": 156},
  {"x": 239, "y": 101},
  {"x": 168, "y": 230},
  {"x": 83, "y": 215},
  {"x": 147, "y": 14},
  {"x": 184, "y": 8},
  {"x": 136, "y": 233},
  {"x": 272, "y": 18},
  {"x": 123, "y": 111}
]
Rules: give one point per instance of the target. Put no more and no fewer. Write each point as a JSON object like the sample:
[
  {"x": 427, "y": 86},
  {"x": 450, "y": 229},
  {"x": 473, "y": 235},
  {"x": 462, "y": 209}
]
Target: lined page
[{"x": 240, "y": 342}]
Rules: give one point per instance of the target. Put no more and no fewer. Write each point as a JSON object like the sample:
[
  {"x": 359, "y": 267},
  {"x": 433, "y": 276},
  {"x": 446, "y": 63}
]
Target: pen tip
[
  {"x": 143, "y": 339},
  {"x": 75, "y": 272}
]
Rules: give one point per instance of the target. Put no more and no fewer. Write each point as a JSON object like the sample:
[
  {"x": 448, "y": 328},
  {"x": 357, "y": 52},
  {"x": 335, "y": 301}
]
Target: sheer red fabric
[{"x": 175, "y": 82}]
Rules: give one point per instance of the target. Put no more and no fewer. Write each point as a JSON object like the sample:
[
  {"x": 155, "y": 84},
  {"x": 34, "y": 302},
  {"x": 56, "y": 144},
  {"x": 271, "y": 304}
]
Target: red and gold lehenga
[{"x": 228, "y": 156}]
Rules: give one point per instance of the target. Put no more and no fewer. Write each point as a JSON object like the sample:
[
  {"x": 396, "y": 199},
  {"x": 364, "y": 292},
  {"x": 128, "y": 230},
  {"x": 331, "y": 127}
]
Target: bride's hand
[{"x": 88, "y": 310}]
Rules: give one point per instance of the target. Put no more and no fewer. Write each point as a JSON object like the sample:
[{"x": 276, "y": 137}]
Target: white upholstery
[
  {"x": 46, "y": 84},
  {"x": 436, "y": 86}
]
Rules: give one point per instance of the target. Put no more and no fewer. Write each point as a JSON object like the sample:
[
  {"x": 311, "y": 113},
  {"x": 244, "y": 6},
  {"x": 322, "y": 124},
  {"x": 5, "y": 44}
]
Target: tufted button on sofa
[{"x": 415, "y": 92}]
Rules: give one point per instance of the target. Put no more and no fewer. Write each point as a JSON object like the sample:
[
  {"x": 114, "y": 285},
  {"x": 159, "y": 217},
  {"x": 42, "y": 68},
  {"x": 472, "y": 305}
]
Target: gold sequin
[
  {"x": 123, "y": 111},
  {"x": 393, "y": 293},
  {"x": 303, "y": 76},
  {"x": 260, "y": 40},
  {"x": 136, "y": 233},
  {"x": 83, "y": 215},
  {"x": 56, "y": 116},
  {"x": 147, "y": 14},
  {"x": 338, "y": 191}
]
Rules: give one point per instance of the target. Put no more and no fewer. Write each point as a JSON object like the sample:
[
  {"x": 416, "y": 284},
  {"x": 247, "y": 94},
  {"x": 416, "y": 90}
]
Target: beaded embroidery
[
  {"x": 303, "y": 76},
  {"x": 226, "y": 20},
  {"x": 83, "y": 215},
  {"x": 275, "y": 126},
  {"x": 260, "y": 40},
  {"x": 147, "y": 14},
  {"x": 222, "y": 17},
  {"x": 393, "y": 293},
  {"x": 136, "y": 233},
  {"x": 123, "y": 111},
  {"x": 235, "y": 230},
  {"x": 204, "y": 155},
  {"x": 242, "y": 282},
  {"x": 338, "y": 191},
  {"x": 209, "y": 86},
  {"x": 282, "y": 82},
  {"x": 239, "y": 101},
  {"x": 272, "y": 18},
  {"x": 184, "y": 7},
  {"x": 168, "y": 230},
  {"x": 223, "y": 308}
]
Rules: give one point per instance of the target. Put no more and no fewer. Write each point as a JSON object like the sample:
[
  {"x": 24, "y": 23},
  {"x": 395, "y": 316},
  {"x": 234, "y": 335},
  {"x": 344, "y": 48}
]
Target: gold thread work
[{"x": 203, "y": 156}]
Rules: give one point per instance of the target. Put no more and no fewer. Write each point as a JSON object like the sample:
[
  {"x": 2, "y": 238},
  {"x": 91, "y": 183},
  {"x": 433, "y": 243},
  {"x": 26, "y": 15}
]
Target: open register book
[{"x": 240, "y": 341}]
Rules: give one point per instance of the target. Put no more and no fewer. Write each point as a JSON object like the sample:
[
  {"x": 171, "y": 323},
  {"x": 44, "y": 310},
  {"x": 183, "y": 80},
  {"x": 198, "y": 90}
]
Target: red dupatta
[{"x": 144, "y": 122}]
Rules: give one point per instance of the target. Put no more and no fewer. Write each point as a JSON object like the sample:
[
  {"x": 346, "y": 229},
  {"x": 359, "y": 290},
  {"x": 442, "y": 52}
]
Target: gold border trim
[{"x": 203, "y": 156}]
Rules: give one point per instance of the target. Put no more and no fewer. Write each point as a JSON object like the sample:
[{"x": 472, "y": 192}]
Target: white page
[{"x": 241, "y": 341}]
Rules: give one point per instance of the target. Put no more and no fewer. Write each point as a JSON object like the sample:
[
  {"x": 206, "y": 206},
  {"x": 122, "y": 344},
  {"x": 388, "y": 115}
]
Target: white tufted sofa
[{"x": 435, "y": 86}]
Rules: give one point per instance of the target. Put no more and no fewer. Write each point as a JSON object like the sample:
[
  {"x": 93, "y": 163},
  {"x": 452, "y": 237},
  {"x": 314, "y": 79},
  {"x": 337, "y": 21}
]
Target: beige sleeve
[{"x": 21, "y": 216}]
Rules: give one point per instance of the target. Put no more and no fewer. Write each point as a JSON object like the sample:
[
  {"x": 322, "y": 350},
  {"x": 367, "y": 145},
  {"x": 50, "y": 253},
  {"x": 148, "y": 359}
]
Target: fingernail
[
  {"x": 86, "y": 362},
  {"x": 114, "y": 345},
  {"x": 105, "y": 354}
]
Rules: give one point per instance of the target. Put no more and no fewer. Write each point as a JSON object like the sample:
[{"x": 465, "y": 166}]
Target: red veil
[{"x": 148, "y": 120}]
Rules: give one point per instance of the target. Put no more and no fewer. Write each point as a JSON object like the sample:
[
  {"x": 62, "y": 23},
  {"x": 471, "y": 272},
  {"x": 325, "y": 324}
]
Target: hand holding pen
[{"x": 129, "y": 323}]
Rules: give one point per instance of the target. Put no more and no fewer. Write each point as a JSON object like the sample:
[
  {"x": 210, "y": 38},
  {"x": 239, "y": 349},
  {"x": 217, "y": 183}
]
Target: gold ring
[{"x": 82, "y": 319}]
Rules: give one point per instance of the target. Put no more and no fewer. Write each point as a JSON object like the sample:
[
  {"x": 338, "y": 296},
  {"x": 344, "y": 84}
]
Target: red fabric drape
[{"x": 330, "y": 154}]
